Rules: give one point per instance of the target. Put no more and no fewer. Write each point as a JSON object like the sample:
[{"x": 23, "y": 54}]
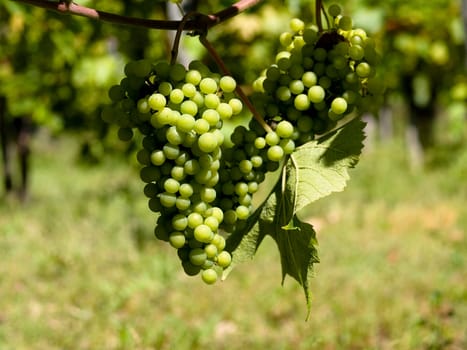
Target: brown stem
[
  {"x": 201, "y": 23},
  {"x": 318, "y": 7},
  {"x": 212, "y": 51}
]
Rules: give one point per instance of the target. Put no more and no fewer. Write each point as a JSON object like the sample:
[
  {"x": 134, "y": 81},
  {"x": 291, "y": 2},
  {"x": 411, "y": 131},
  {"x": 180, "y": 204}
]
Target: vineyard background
[{"x": 80, "y": 266}]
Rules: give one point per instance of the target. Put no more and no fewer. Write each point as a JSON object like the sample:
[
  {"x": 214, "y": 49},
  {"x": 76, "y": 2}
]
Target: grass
[{"x": 80, "y": 268}]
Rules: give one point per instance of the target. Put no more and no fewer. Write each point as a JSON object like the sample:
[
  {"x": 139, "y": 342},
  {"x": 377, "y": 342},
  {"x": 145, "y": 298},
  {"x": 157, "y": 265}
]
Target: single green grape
[{"x": 209, "y": 276}]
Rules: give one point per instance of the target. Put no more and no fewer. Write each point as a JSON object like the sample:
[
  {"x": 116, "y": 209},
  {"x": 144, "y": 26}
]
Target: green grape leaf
[
  {"x": 313, "y": 171},
  {"x": 320, "y": 167}
]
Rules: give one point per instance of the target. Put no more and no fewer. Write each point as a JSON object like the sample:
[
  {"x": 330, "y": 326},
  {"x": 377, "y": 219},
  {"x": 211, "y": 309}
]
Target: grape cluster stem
[{"x": 215, "y": 56}]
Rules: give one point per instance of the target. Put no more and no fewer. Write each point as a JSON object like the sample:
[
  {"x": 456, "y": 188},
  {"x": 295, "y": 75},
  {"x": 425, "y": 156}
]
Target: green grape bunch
[
  {"x": 318, "y": 77},
  {"x": 201, "y": 180},
  {"x": 180, "y": 114}
]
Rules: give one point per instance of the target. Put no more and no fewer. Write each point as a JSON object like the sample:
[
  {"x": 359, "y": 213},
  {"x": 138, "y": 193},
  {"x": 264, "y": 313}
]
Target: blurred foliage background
[{"x": 81, "y": 270}]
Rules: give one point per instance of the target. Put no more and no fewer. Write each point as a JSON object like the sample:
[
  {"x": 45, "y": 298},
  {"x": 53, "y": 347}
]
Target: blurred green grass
[{"x": 80, "y": 268}]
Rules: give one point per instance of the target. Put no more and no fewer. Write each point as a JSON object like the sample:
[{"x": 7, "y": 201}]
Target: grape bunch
[
  {"x": 200, "y": 180},
  {"x": 180, "y": 113},
  {"x": 318, "y": 77}
]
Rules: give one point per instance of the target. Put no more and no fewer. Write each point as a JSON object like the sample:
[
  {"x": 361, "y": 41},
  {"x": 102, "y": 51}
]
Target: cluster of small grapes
[
  {"x": 254, "y": 153},
  {"x": 318, "y": 77},
  {"x": 180, "y": 113}
]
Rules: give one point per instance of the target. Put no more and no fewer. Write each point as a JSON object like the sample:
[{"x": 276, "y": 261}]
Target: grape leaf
[
  {"x": 319, "y": 167},
  {"x": 313, "y": 171}
]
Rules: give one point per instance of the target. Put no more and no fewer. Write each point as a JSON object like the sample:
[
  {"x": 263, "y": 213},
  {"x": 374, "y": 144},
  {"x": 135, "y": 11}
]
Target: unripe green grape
[
  {"x": 211, "y": 251},
  {"x": 212, "y": 222},
  {"x": 157, "y": 101},
  {"x": 208, "y": 264},
  {"x": 245, "y": 166},
  {"x": 272, "y": 138},
  {"x": 197, "y": 256},
  {"x": 178, "y": 173},
  {"x": 310, "y": 35},
  {"x": 179, "y": 222},
  {"x": 363, "y": 70},
  {"x": 167, "y": 199},
  {"x": 225, "y": 110},
  {"x": 272, "y": 74},
  {"x": 203, "y": 176},
  {"x": 288, "y": 146},
  {"x": 219, "y": 242},
  {"x": 285, "y": 39},
  {"x": 283, "y": 93},
  {"x": 157, "y": 157},
  {"x": 208, "y": 86},
  {"x": 182, "y": 203},
  {"x": 209, "y": 276},
  {"x": 203, "y": 233},
  {"x": 189, "y": 90},
  {"x": 296, "y": 25},
  {"x": 241, "y": 188},
  {"x": 260, "y": 142},
  {"x": 356, "y": 52},
  {"x": 345, "y": 23},
  {"x": 185, "y": 123},
  {"x": 296, "y": 87},
  {"x": 227, "y": 84},
  {"x": 256, "y": 161},
  {"x": 230, "y": 217},
  {"x": 191, "y": 167},
  {"x": 275, "y": 153},
  {"x": 177, "y": 72},
  {"x": 334, "y": 10},
  {"x": 309, "y": 79},
  {"x": 207, "y": 194},
  {"x": 224, "y": 259},
  {"x": 284, "y": 129},
  {"x": 212, "y": 117},
  {"x": 253, "y": 187},
  {"x": 193, "y": 76},
  {"x": 236, "y": 105},
  {"x": 143, "y": 106},
  {"x": 174, "y": 136},
  {"x": 338, "y": 105},
  {"x": 176, "y": 96},
  {"x": 171, "y": 185},
  {"x": 194, "y": 220},
  {"x": 177, "y": 239},
  {"x": 242, "y": 212},
  {"x": 201, "y": 126},
  {"x": 245, "y": 200},
  {"x": 301, "y": 102},
  {"x": 207, "y": 142},
  {"x": 185, "y": 190},
  {"x": 171, "y": 151},
  {"x": 189, "y": 107},
  {"x": 216, "y": 213},
  {"x": 316, "y": 94},
  {"x": 165, "y": 88},
  {"x": 319, "y": 54}
]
